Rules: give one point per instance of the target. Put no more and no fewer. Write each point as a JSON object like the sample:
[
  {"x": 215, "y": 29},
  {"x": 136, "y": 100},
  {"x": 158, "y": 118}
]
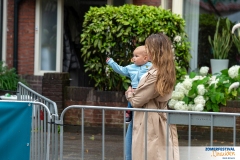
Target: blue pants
[{"x": 129, "y": 138}]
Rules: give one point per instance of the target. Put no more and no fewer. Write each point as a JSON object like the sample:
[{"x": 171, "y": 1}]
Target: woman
[{"x": 153, "y": 92}]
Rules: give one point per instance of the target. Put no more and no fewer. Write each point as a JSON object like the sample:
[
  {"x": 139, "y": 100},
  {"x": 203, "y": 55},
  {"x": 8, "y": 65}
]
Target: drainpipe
[{"x": 15, "y": 41}]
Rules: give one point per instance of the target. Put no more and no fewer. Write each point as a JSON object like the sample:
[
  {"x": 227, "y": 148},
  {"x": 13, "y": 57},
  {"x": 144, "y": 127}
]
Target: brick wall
[
  {"x": 147, "y": 2},
  {"x": 53, "y": 87},
  {"x": 89, "y": 96},
  {"x": 34, "y": 82},
  {"x": 10, "y": 36},
  {"x": 26, "y": 34}
]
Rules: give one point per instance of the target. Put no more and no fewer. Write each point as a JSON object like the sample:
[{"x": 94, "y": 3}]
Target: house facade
[{"x": 42, "y": 36}]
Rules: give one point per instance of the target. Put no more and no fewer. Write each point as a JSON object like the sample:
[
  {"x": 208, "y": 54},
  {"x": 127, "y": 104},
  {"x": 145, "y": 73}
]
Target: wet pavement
[{"x": 113, "y": 144}]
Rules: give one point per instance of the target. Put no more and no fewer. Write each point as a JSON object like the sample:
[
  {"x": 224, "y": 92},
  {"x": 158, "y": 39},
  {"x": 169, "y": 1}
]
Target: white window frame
[
  {"x": 177, "y": 7},
  {"x": 4, "y": 31},
  {"x": 59, "y": 46},
  {"x": 164, "y": 4}
]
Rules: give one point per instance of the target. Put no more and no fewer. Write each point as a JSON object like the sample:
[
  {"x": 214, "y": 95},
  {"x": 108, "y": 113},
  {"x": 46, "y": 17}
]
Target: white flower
[
  {"x": 187, "y": 83},
  {"x": 199, "y": 100},
  {"x": 190, "y": 107},
  {"x": 180, "y": 88},
  {"x": 177, "y": 39},
  {"x": 198, "y": 78},
  {"x": 233, "y": 71},
  {"x": 214, "y": 81},
  {"x": 172, "y": 103},
  {"x": 204, "y": 71},
  {"x": 177, "y": 95},
  {"x": 198, "y": 107},
  {"x": 180, "y": 105},
  {"x": 201, "y": 89},
  {"x": 234, "y": 85}
]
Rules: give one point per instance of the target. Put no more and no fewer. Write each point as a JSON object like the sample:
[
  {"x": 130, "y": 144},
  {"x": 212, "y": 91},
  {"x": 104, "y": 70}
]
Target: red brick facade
[
  {"x": 147, "y": 2},
  {"x": 26, "y": 33},
  {"x": 26, "y": 37},
  {"x": 10, "y": 31}
]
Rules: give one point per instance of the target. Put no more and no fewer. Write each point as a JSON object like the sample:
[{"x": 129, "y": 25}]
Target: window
[{"x": 48, "y": 33}]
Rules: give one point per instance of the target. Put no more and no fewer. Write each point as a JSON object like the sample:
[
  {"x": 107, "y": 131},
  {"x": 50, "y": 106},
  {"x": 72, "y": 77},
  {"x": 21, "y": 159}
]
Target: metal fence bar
[
  {"x": 38, "y": 134},
  {"x": 35, "y": 137},
  {"x": 234, "y": 132},
  {"x": 124, "y": 135},
  {"x": 189, "y": 136},
  {"x": 145, "y": 134},
  {"x": 61, "y": 141},
  {"x": 167, "y": 142},
  {"x": 103, "y": 134},
  {"x": 25, "y": 93},
  {"x": 82, "y": 134},
  {"x": 189, "y": 118},
  {"x": 211, "y": 133}
]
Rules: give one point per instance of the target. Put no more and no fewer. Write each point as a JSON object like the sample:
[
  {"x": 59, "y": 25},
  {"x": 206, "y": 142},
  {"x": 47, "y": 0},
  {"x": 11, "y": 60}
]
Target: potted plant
[
  {"x": 236, "y": 38},
  {"x": 8, "y": 80},
  {"x": 221, "y": 44}
]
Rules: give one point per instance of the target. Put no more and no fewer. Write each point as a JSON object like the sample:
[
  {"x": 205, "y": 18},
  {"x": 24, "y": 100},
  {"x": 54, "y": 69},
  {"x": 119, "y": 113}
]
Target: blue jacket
[{"x": 132, "y": 71}]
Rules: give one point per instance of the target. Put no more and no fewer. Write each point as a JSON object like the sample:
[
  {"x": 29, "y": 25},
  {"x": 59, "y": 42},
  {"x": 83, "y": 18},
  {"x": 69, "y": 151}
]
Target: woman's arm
[{"x": 144, "y": 93}]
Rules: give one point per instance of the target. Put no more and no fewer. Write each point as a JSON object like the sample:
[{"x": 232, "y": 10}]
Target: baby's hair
[{"x": 140, "y": 50}]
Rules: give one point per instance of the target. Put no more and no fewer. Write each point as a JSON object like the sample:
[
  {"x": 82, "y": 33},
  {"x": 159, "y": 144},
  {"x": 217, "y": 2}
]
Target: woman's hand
[{"x": 129, "y": 90}]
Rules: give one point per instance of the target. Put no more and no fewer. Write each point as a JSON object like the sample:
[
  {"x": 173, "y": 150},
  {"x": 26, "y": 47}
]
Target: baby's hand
[{"x": 107, "y": 59}]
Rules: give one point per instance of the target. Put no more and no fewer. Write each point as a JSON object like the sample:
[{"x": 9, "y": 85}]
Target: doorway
[{"x": 74, "y": 11}]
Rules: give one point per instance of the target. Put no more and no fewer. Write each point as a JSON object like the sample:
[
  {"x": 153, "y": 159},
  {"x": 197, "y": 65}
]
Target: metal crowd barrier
[
  {"x": 40, "y": 144},
  {"x": 40, "y": 122},
  {"x": 188, "y": 118}
]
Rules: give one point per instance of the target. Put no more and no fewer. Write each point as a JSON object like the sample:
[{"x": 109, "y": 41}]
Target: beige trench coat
[{"x": 145, "y": 96}]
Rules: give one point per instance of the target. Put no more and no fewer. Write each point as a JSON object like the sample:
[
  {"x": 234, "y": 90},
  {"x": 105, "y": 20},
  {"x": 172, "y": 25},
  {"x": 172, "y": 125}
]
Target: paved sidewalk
[{"x": 113, "y": 144}]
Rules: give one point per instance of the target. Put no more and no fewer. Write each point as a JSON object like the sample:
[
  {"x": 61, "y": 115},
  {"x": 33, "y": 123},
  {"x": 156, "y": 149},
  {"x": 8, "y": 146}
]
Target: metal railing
[
  {"x": 39, "y": 123},
  {"x": 40, "y": 142},
  {"x": 188, "y": 118}
]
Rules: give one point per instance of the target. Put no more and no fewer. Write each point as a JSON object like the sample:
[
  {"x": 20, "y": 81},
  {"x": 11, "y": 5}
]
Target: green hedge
[{"x": 117, "y": 31}]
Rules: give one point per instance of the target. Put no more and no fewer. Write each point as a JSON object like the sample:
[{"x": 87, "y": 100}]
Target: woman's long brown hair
[{"x": 159, "y": 49}]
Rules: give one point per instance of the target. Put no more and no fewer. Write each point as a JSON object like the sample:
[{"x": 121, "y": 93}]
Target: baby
[{"x": 133, "y": 71}]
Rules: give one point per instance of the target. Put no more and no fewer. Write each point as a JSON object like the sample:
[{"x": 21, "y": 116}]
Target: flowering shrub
[{"x": 205, "y": 92}]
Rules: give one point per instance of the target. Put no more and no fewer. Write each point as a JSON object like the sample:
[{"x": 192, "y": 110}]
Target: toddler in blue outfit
[{"x": 133, "y": 71}]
